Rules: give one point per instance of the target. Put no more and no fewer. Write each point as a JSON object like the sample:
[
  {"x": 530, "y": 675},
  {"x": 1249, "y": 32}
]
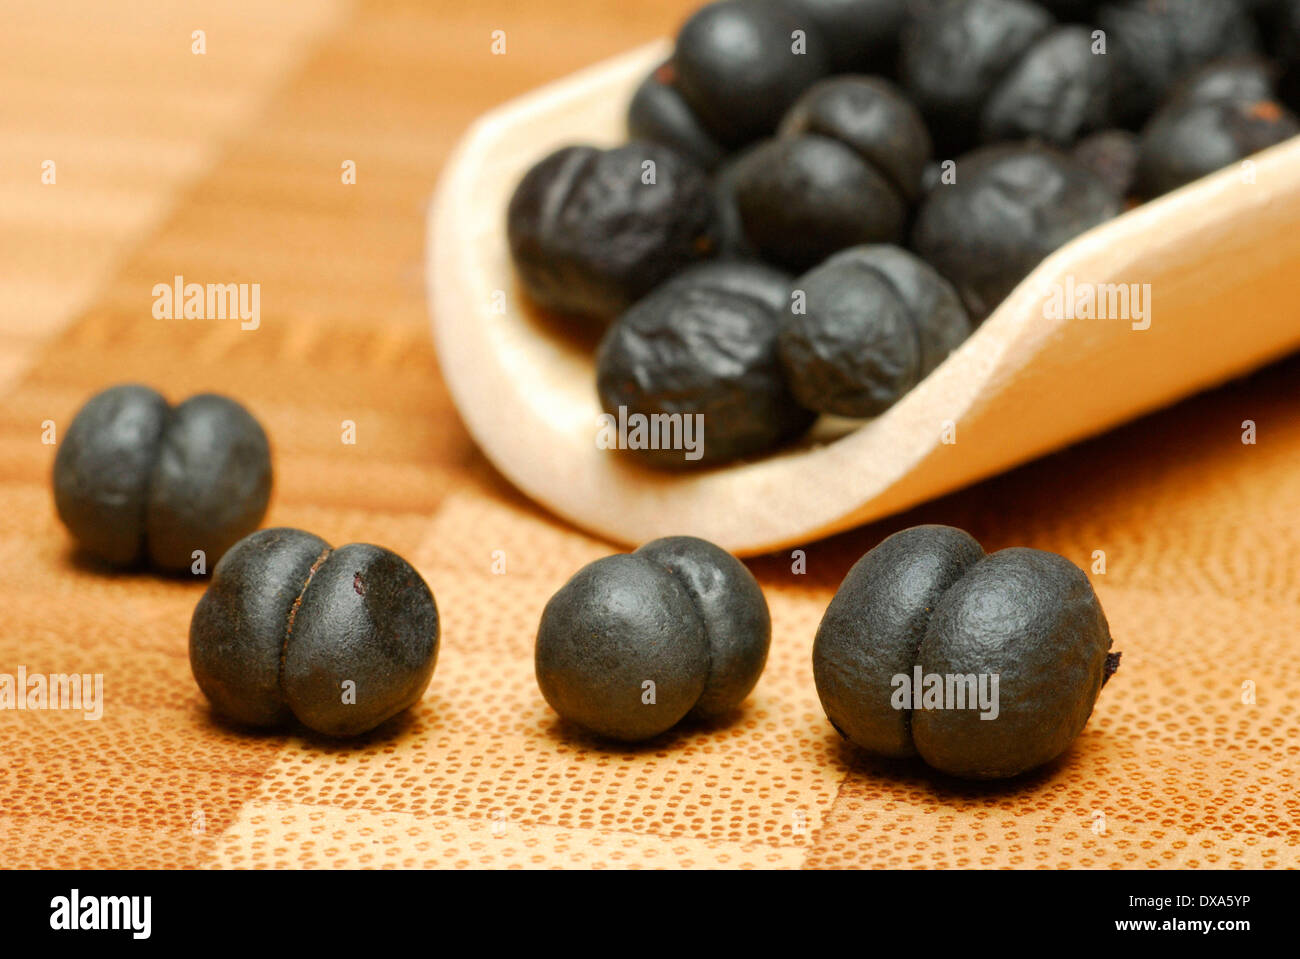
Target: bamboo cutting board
[{"x": 229, "y": 170}]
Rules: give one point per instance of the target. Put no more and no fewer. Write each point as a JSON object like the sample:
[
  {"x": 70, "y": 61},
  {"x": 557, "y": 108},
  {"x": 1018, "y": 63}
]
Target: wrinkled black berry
[
  {"x": 1032, "y": 618},
  {"x": 703, "y": 346},
  {"x": 1112, "y": 155},
  {"x": 1057, "y": 91},
  {"x": 743, "y": 278},
  {"x": 737, "y": 625},
  {"x": 861, "y": 36},
  {"x": 803, "y": 198},
  {"x": 955, "y": 52},
  {"x": 634, "y": 643},
  {"x": 875, "y": 321},
  {"x": 871, "y": 116},
  {"x": 136, "y": 479},
  {"x": 340, "y": 639},
  {"x": 928, "y": 598},
  {"x": 873, "y": 627},
  {"x": 659, "y": 114},
  {"x": 1011, "y": 206},
  {"x": 240, "y": 625},
  {"x": 738, "y": 69},
  {"x": 619, "y": 624},
  {"x": 850, "y": 158},
  {"x": 590, "y": 233},
  {"x": 1236, "y": 78},
  {"x": 1189, "y": 139},
  {"x": 1153, "y": 44}
]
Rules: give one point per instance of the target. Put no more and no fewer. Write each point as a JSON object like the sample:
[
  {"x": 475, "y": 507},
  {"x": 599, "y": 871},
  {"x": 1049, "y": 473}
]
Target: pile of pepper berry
[{"x": 821, "y": 198}]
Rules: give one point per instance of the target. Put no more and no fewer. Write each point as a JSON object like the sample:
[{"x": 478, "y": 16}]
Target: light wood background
[{"x": 225, "y": 167}]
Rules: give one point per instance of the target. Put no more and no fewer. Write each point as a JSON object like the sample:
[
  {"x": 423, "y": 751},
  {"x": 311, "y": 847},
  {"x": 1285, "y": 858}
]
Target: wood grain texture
[{"x": 1200, "y": 532}]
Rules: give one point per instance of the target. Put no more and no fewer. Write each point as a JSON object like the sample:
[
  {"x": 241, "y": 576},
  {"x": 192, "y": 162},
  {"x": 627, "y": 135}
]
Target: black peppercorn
[
  {"x": 659, "y": 114},
  {"x": 696, "y": 363},
  {"x": 1011, "y": 206},
  {"x": 875, "y": 321},
  {"x": 592, "y": 231},
  {"x": 634, "y": 643},
  {"x": 341, "y": 639},
  {"x": 739, "y": 65},
  {"x": 985, "y": 666},
  {"x": 135, "y": 478}
]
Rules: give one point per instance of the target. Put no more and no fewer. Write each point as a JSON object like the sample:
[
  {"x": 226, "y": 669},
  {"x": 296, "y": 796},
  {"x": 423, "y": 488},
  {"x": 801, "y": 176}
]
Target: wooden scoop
[{"x": 1220, "y": 259}]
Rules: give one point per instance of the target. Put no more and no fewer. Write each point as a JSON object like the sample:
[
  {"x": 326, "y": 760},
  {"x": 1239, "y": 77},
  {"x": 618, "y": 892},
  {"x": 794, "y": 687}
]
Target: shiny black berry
[
  {"x": 695, "y": 364},
  {"x": 1016, "y": 641},
  {"x": 872, "y": 117},
  {"x": 732, "y": 241},
  {"x": 737, "y": 625},
  {"x": 741, "y": 277},
  {"x": 848, "y": 162},
  {"x": 873, "y": 321},
  {"x": 136, "y": 479},
  {"x": 1154, "y": 43},
  {"x": 802, "y": 198},
  {"x": 873, "y": 627},
  {"x": 740, "y": 64},
  {"x": 340, "y": 639},
  {"x": 592, "y": 231},
  {"x": 1009, "y": 208},
  {"x": 1189, "y": 139},
  {"x": 634, "y": 643},
  {"x": 659, "y": 114},
  {"x": 861, "y": 36},
  {"x": 955, "y": 52},
  {"x": 1058, "y": 90},
  {"x": 1235, "y": 78}
]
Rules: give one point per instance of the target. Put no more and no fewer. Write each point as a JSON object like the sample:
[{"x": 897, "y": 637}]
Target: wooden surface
[{"x": 226, "y": 168}]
